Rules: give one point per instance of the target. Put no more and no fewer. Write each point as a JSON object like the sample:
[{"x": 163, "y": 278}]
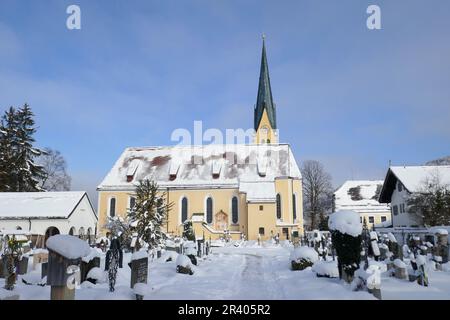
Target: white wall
[
  {"x": 402, "y": 219},
  {"x": 83, "y": 216}
]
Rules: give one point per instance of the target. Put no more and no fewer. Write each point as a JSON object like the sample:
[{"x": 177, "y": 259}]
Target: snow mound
[
  {"x": 371, "y": 277},
  {"x": 141, "y": 254},
  {"x": 183, "y": 261},
  {"x": 96, "y": 274},
  {"x": 391, "y": 237},
  {"x": 95, "y": 253},
  {"x": 68, "y": 246},
  {"x": 140, "y": 289},
  {"x": 381, "y": 265},
  {"x": 326, "y": 268},
  {"x": 399, "y": 263},
  {"x": 446, "y": 267},
  {"x": 441, "y": 232},
  {"x": 345, "y": 221},
  {"x": 306, "y": 253},
  {"x": 421, "y": 260}
]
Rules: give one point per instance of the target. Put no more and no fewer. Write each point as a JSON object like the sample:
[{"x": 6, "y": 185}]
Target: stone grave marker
[
  {"x": 65, "y": 253},
  {"x": 139, "y": 273}
]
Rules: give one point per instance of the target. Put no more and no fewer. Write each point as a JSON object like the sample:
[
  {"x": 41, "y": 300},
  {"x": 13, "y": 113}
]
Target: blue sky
[{"x": 347, "y": 96}]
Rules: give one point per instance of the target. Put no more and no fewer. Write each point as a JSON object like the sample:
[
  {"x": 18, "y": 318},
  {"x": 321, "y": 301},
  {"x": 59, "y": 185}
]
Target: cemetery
[{"x": 347, "y": 262}]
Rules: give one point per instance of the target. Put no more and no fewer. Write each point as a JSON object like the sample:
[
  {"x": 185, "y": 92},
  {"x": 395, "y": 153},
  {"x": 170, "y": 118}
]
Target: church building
[{"x": 252, "y": 190}]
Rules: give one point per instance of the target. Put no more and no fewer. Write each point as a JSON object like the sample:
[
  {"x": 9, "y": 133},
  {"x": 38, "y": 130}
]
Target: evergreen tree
[
  {"x": 28, "y": 173},
  {"x": 149, "y": 213},
  {"x": 18, "y": 171},
  {"x": 8, "y": 129}
]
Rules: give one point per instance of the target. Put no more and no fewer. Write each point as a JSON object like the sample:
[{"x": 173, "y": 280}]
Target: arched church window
[
  {"x": 184, "y": 209},
  {"x": 234, "y": 210},
  {"x": 209, "y": 209},
  {"x": 112, "y": 207},
  {"x": 278, "y": 206}
]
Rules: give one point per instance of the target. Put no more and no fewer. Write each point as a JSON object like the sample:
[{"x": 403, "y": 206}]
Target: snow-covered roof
[
  {"x": 258, "y": 191},
  {"x": 413, "y": 178},
  {"x": 360, "y": 196},
  {"x": 203, "y": 166},
  {"x": 24, "y": 205}
]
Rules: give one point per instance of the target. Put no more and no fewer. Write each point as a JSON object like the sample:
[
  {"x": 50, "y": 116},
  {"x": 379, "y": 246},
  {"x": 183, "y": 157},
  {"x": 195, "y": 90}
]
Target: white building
[
  {"x": 48, "y": 213},
  {"x": 361, "y": 196},
  {"x": 401, "y": 182}
]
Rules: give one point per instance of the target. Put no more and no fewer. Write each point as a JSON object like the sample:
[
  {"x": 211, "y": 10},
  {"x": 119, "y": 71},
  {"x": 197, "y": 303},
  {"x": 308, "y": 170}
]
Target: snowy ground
[{"x": 249, "y": 272}]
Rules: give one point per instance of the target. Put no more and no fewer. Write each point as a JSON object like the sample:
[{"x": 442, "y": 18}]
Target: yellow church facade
[{"x": 242, "y": 190}]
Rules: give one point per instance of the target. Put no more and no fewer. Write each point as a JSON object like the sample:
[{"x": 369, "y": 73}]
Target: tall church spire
[{"x": 264, "y": 100}]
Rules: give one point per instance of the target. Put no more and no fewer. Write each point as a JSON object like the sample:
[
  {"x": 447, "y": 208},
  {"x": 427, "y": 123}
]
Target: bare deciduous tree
[
  {"x": 317, "y": 192},
  {"x": 55, "y": 167}
]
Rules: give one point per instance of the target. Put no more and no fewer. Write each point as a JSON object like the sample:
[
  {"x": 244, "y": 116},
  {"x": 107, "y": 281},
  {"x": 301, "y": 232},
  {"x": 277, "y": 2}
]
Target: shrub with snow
[
  {"x": 184, "y": 264},
  {"x": 346, "y": 222},
  {"x": 327, "y": 269},
  {"x": 346, "y": 229},
  {"x": 97, "y": 274},
  {"x": 303, "y": 257}
]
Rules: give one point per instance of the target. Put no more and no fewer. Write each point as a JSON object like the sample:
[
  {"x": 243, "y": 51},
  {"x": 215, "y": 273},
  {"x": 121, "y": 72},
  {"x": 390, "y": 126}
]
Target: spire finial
[{"x": 263, "y": 36}]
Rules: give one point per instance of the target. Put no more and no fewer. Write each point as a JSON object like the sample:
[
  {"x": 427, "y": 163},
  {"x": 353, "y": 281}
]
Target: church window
[
  {"x": 209, "y": 210},
  {"x": 294, "y": 206},
  {"x": 278, "y": 206},
  {"x": 234, "y": 210},
  {"x": 184, "y": 209},
  {"x": 112, "y": 207},
  {"x": 261, "y": 231}
]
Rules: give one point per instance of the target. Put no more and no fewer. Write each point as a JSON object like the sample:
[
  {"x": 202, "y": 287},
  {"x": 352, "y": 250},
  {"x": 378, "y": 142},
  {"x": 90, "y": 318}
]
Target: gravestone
[
  {"x": 139, "y": 271},
  {"x": 85, "y": 267},
  {"x": 44, "y": 269},
  {"x": 39, "y": 257},
  {"x": 22, "y": 266},
  {"x": 158, "y": 253},
  {"x": 57, "y": 276},
  {"x": 3, "y": 267}
]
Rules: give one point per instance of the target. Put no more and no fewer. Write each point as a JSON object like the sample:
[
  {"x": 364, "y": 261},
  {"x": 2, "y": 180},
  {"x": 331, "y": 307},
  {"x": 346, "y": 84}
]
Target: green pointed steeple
[{"x": 264, "y": 100}]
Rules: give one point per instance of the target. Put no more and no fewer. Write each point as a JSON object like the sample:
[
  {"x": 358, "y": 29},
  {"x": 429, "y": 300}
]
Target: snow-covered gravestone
[
  {"x": 139, "y": 269},
  {"x": 65, "y": 253},
  {"x": 374, "y": 248},
  {"x": 400, "y": 269},
  {"x": 441, "y": 248},
  {"x": 346, "y": 229}
]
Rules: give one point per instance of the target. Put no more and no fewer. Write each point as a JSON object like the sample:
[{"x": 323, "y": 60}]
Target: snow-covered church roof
[
  {"x": 360, "y": 196},
  {"x": 39, "y": 205},
  {"x": 213, "y": 165},
  {"x": 413, "y": 178}
]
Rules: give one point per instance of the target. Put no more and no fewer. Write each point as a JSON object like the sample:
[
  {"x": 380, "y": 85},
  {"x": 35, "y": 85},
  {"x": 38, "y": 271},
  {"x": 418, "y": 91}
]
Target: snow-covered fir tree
[
  {"x": 18, "y": 170},
  {"x": 149, "y": 213}
]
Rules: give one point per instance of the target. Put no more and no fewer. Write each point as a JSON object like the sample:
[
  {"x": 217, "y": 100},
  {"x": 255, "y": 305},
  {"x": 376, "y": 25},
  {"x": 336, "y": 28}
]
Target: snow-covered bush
[
  {"x": 184, "y": 264},
  {"x": 97, "y": 274},
  {"x": 326, "y": 269},
  {"x": 346, "y": 229},
  {"x": 303, "y": 257}
]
